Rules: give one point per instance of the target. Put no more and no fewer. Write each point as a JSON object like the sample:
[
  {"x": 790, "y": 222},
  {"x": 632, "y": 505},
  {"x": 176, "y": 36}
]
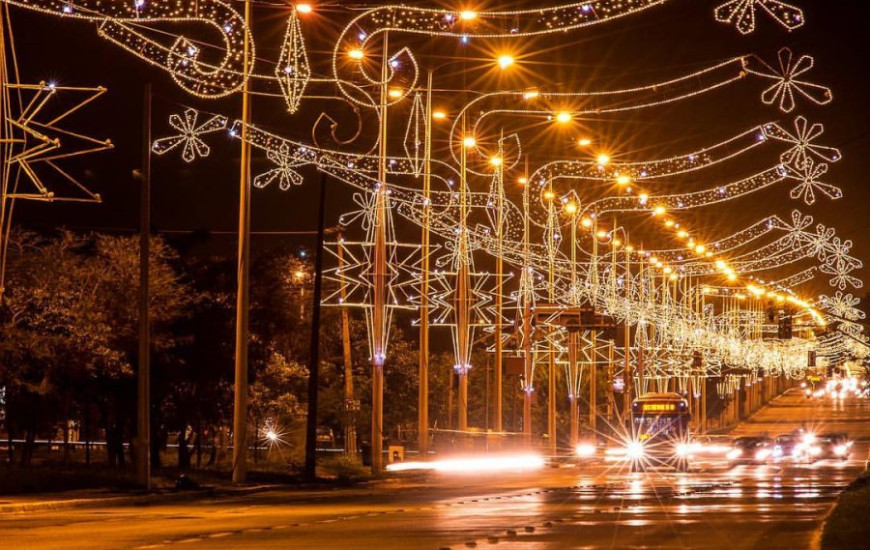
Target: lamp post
[{"x": 240, "y": 404}]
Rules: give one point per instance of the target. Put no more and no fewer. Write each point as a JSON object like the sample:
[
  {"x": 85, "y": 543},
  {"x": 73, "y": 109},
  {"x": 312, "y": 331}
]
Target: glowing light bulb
[
  {"x": 584, "y": 142},
  {"x": 603, "y": 159},
  {"x": 531, "y": 94},
  {"x": 700, "y": 249},
  {"x": 469, "y": 142},
  {"x": 505, "y": 61},
  {"x": 496, "y": 161},
  {"x": 623, "y": 180},
  {"x": 586, "y": 222},
  {"x": 570, "y": 208},
  {"x": 523, "y": 181},
  {"x": 669, "y": 223},
  {"x": 682, "y": 234},
  {"x": 616, "y": 243},
  {"x": 564, "y": 117},
  {"x": 395, "y": 93},
  {"x": 468, "y": 15},
  {"x": 643, "y": 197},
  {"x": 357, "y": 54},
  {"x": 732, "y": 276},
  {"x": 602, "y": 234},
  {"x": 304, "y": 8},
  {"x": 549, "y": 195},
  {"x": 439, "y": 115},
  {"x": 659, "y": 210}
]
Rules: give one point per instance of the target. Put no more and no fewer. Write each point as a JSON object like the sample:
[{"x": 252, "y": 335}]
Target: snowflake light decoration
[
  {"x": 741, "y": 13},
  {"x": 787, "y": 81},
  {"x": 284, "y": 173},
  {"x": 190, "y": 134},
  {"x": 809, "y": 176},
  {"x": 803, "y": 139}
]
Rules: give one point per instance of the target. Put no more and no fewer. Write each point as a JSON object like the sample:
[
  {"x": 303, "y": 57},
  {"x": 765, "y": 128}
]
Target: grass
[{"x": 847, "y": 527}]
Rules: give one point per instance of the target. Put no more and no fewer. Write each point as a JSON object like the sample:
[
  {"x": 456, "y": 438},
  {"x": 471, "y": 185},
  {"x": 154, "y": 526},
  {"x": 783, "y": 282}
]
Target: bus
[{"x": 660, "y": 432}]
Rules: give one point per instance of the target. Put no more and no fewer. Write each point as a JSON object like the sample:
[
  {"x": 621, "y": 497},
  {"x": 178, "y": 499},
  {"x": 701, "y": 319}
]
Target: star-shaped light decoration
[
  {"x": 787, "y": 81},
  {"x": 804, "y": 146},
  {"x": 36, "y": 140},
  {"x": 189, "y": 137},
  {"x": 809, "y": 175},
  {"x": 741, "y": 13}
]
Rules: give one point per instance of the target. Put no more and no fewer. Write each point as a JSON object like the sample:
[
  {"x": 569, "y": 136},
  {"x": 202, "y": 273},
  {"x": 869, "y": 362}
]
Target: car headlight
[
  {"x": 585, "y": 450},
  {"x": 734, "y": 453},
  {"x": 762, "y": 454},
  {"x": 683, "y": 450},
  {"x": 841, "y": 450},
  {"x": 634, "y": 451},
  {"x": 815, "y": 450}
]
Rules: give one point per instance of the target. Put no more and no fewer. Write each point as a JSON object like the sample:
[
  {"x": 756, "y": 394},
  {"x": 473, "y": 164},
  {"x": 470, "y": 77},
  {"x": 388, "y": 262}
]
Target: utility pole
[
  {"x": 143, "y": 377},
  {"x": 423, "y": 390},
  {"x": 350, "y": 407},
  {"x": 314, "y": 350},
  {"x": 240, "y": 402}
]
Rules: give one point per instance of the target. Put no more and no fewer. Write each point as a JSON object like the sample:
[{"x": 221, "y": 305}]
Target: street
[{"x": 593, "y": 506}]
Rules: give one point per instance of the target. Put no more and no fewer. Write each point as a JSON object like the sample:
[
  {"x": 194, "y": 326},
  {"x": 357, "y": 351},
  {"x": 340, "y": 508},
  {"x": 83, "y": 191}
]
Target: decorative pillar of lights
[
  {"x": 350, "y": 406},
  {"x": 593, "y": 352},
  {"x": 611, "y": 398},
  {"x": 552, "y": 250},
  {"x": 640, "y": 331},
  {"x": 461, "y": 302},
  {"x": 423, "y": 390},
  {"x": 627, "y": 376},
  {"x": 527, "y": 290},
  {"x": 240, "y": 399},
  {"x": 379, "y": 317},
  {"x": 574, "y": 387},
  {"x": 499, "y": 273}
]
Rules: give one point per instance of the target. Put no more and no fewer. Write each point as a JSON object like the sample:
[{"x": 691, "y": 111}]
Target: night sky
[{"x": 661, "y": 43}]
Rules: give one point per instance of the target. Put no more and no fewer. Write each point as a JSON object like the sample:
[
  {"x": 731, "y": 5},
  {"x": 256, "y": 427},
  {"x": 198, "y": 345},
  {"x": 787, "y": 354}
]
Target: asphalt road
[{"x": 713, "y": 507}]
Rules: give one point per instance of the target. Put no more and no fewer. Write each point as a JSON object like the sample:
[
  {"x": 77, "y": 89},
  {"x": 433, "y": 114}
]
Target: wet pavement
[{"x": 594, "y": 506}]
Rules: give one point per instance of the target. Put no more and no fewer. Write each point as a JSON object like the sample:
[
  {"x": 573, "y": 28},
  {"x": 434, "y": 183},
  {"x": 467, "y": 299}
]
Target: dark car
[
  {"x": 831, "y": 445},
  {"x": 750, "y": 450},
  {"x": 786, "y": 447}
]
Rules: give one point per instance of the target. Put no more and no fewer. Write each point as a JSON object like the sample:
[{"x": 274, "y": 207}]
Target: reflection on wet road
[{"x": 593, "y": 506}]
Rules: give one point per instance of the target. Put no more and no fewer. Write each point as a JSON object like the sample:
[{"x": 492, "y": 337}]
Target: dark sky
[{"x": 661, "y": 43}]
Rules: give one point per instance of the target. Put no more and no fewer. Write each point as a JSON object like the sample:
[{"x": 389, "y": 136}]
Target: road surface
[{"x": 713, "y": 507}]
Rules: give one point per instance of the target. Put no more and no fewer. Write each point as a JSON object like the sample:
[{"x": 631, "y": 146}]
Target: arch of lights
[{"x": 559, "y": 250}]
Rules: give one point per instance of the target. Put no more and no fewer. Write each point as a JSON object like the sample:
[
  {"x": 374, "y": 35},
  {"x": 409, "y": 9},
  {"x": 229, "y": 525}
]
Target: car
[
  {"x": 831, "y": 445},
  {"x": 786, "y": 447},
  {"x": 750, "y": 450}
]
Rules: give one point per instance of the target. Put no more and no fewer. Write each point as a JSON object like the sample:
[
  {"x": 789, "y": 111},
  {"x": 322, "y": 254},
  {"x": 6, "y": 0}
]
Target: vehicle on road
[
  {"x": 786, "y": 447},
  {"x": 828, "y": 445},
  {"x": 750, "y": 450},
  {"x": 660, "y": 432}
]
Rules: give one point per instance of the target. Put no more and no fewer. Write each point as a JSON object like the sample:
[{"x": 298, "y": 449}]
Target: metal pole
[
  {"x": 499, "y": 296},
  {"x": 527, "y": 294},
  {"x": 349, "y": 402},
  {"x": 314, "y": 349},
  {"x": 551, "y": 350},
  {"x": 380, "y": 280},
  {"x": 240, "y": 404},
  {"x": 143, "y": 378},
  {"x": 423, "y": 390},
  {"x": 462, "y": 305}
]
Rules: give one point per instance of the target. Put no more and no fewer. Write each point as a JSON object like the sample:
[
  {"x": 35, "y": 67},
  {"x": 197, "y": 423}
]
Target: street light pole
[
  {"x": 143, "y": 376},
  {"x": 423, "y": 390},
  {"x": 240, "y": 404},
  {"x": 314, "y": 350}
]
